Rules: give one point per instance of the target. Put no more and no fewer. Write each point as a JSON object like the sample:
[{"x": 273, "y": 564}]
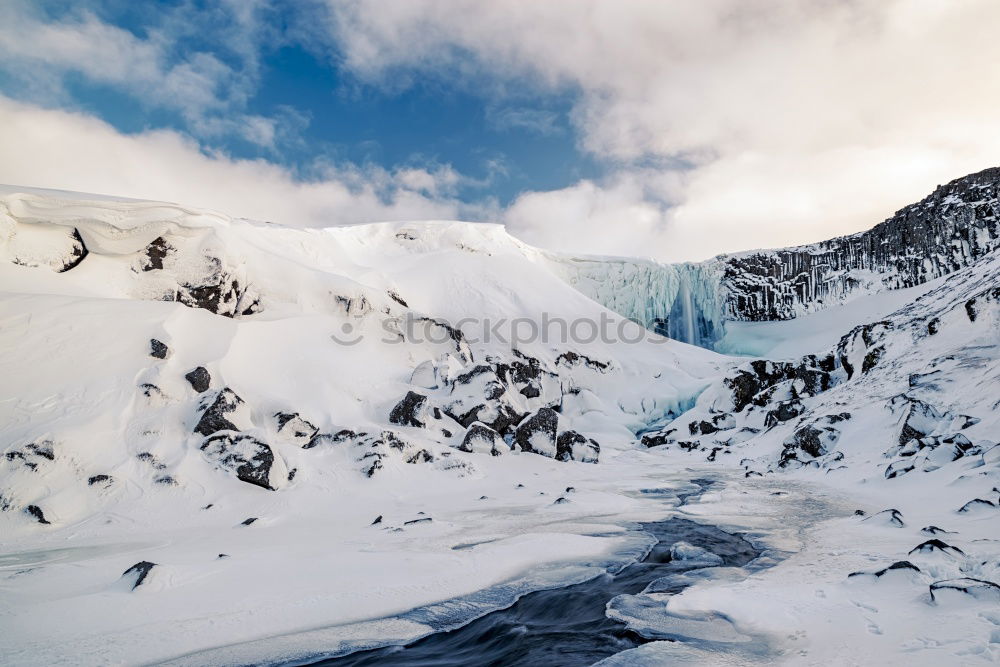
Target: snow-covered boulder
[
  {"x": 964, "y": 589},
  {"x": 573, "y": 446},
  {"x": 536, "y": 434},
  {"x": 249, "y": 459},
  {"x": 412, "y": 410},
  {"x": 481, "y": 439},
  {"x": 296, "y": 430},
  {"x": 228, "y": 412}
]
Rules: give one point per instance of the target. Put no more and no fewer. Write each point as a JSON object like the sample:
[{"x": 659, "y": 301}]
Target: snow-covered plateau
[{"x": 233, "y": 442}]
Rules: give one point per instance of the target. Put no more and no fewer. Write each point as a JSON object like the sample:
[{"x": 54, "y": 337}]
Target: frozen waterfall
[{"x": 682, "y": 301}]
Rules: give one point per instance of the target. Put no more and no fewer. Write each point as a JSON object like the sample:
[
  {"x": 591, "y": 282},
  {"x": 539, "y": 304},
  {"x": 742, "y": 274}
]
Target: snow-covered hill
[{"x": 227, "y": 441}]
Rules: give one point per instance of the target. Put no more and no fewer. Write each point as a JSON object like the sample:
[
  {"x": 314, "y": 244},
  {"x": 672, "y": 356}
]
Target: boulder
[
  {"x": 657, "y": 438},
  {"x": 154, "y": 254},
  {"x": 956, "y": 589},
  {"x": 572, "y": 446},
  {"x": 227, "y": 412},
  {"x": 292, "y": 428},
  {"x": 758, "y": 382},
  {"x": 784, "y": 411},
  {"x": 199, "y": 379},
  {"x": 482, "y": 439},
  {"x": 36, "y": 512},
  {"x": 808, "y": 443},
  {"x": 218, "y": 291},
  {"x": 916, "y": 418},
  {"x": 249, "y": 459},
  {"x": 158, "y": 349},
  {"x": 902, "y": 566},
  {"x": 935, "y": 545},
  {"x": 536, "y": 434},
  {"x": 411, "y": 411},
  {"x": 888, "y": 517},
  {"x": 977, "y": 505},
  {"x": 137, "y": 574}
]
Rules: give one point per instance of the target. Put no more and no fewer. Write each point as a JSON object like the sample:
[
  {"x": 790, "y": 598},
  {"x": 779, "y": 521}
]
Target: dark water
[{"x": 563, "y": 627}]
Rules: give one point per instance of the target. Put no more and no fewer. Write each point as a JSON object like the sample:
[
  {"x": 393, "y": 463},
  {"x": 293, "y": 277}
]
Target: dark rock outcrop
[
  {"x": 757, "y": 383},
  {"x": 158, "y": 349},
  {"x": 154, "y": 254},
  {"x": 216, "y": 416},
  {"x": 250, "y": 459},
  {"x": 977, "y": 504},
  {"x": 410, "y": 411},
  {"x": 137, "y": 573},
  {"x": 576, "y": 359},
  {"x": 784, "y": 411},
  {"x": 297, "y": 430},
  {"x": 807, "y": 443},
  {"x": 536, "y": 434},
  {"x": 219, "y": 292},
  {"x": 572, "y": 446},
  {"x": 892, "y": 517},
  {"x": 929, "y": 453},
  {"x": 77, "y": 254},
  {"x": 199, "y": 379},
  {"x": 36, "y": 512},
  {"x": 953, "y": 227},
  {"x": 978, "y": 589},
  {"x": 482, "y": 439},
  {"x": 936, "y": 546},
  {"x": 32, "y": 455},
  {"x": 916, "y": 418},
  {"x": 902, "y": 565}
]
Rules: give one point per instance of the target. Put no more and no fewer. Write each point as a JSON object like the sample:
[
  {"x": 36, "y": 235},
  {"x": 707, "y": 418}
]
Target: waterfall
[{"x": 682, "y": 301}]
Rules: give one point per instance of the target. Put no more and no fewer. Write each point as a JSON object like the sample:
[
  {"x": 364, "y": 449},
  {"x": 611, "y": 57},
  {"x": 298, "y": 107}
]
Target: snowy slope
[
  {"x": 227, "y": 441},
  {"x": 113, "y": 450},
  {"x": 901, "y": 413}
]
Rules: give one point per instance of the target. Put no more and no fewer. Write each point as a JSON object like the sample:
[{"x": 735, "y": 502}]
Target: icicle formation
[{"x": 682, "y": 301}]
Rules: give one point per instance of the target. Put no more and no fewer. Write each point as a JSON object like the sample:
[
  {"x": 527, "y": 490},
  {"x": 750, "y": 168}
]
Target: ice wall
[{"x": 682, "y": 301}]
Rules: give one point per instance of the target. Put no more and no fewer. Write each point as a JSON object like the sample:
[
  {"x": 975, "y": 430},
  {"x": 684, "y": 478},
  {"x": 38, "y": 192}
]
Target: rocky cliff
[{"x": 948, "y": 230}]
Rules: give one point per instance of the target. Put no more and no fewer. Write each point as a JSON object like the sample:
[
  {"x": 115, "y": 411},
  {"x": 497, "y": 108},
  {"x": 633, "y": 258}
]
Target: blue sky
[
  {"x": 325, "y": 113},
  {"x": 673, "y": 130}
]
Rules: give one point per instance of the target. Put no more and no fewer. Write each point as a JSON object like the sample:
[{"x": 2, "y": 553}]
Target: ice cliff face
[
  {"x": 949, "y": 230},
  {"x": 682, "y": 301}
]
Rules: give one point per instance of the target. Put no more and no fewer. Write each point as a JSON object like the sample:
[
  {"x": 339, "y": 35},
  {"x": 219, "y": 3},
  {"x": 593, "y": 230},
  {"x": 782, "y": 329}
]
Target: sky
[{"x": 670, "y": 129}]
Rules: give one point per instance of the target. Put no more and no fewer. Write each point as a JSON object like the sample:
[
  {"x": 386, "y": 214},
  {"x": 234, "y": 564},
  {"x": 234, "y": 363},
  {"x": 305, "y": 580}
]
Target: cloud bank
[
  {"x": 798, "y": 120},
  {"x": 71, "y": 151},
  {"x": 722, "y": 125}
]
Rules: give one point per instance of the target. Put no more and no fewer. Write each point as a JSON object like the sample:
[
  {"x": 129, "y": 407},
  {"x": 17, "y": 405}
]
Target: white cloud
[
  {"x": 208, "y": 93},
  {"x": 70, "y": 151},
  {"x": 800, "y": 119},
  {"x": 796, "y": 120}
]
